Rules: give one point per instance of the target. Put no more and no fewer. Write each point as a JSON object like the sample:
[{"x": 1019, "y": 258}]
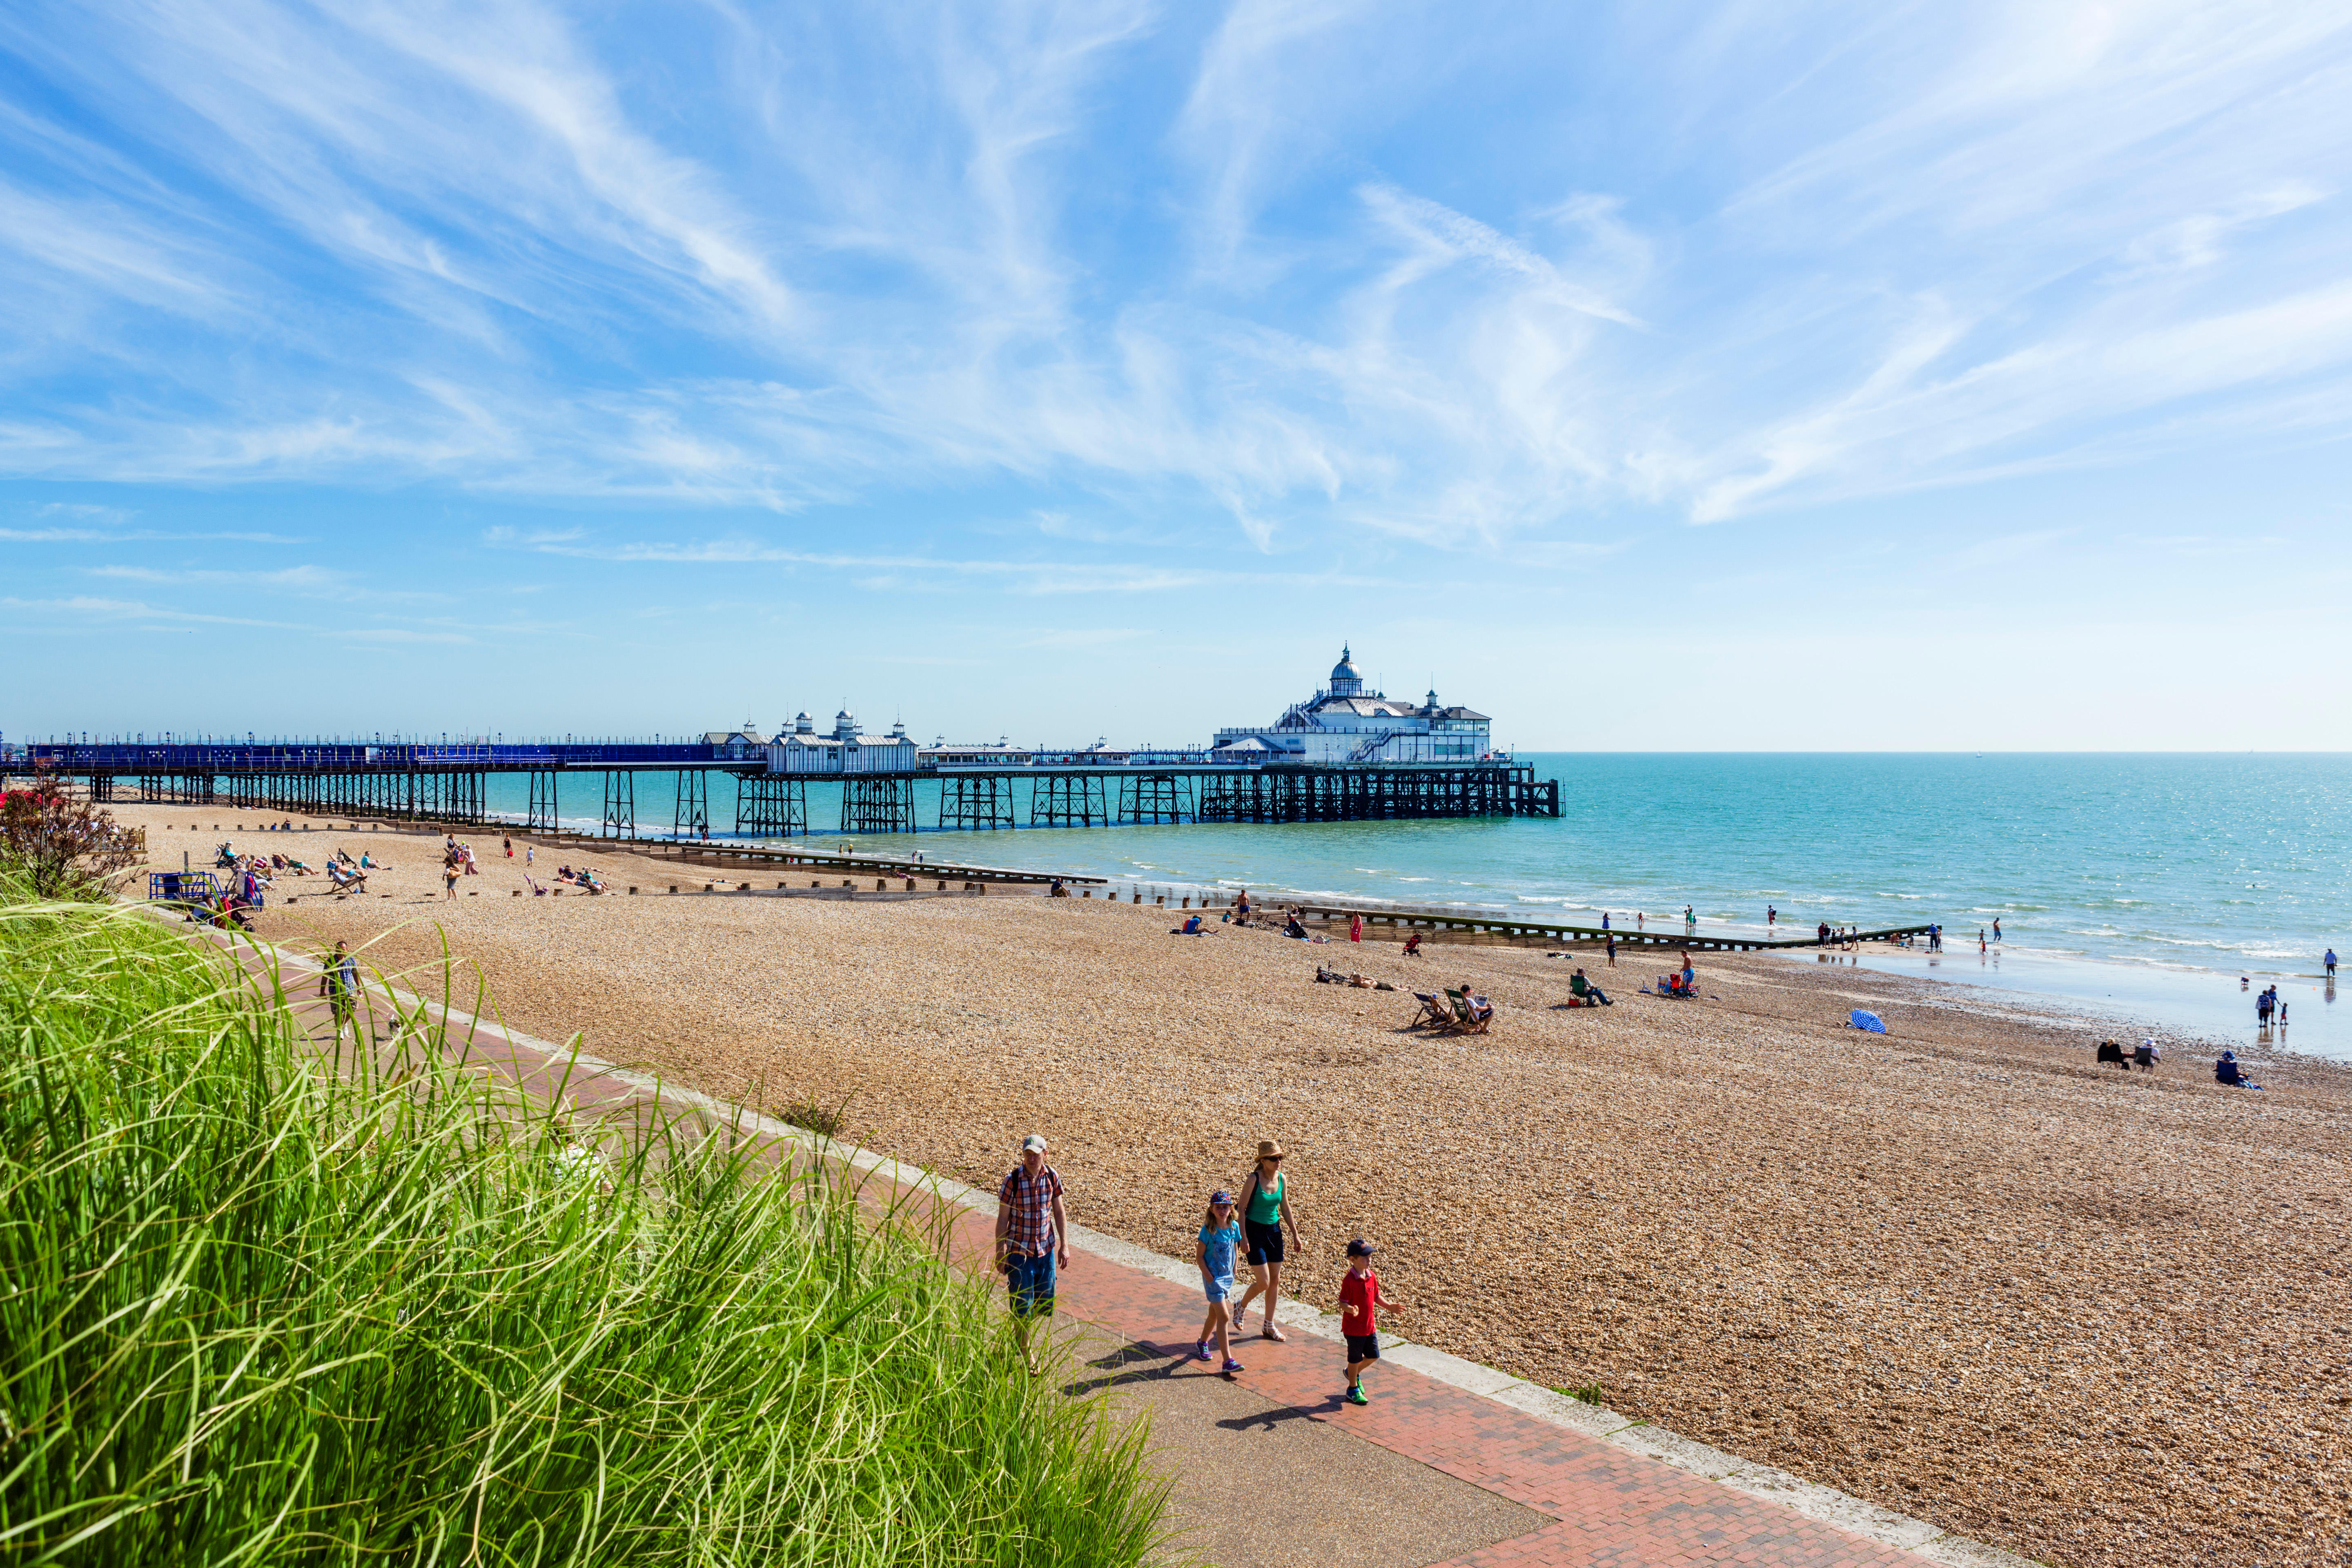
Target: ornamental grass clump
[{"x": 258, "y": 1307}]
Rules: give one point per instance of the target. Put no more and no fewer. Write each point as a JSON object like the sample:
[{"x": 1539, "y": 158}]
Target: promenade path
[{"x": 1450, "y": 1463}]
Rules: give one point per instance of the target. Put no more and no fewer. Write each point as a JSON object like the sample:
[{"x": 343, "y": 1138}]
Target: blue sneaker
[
  {"x": 1232, "y": 1365},
  {"x": 1200, "y": 1350}
]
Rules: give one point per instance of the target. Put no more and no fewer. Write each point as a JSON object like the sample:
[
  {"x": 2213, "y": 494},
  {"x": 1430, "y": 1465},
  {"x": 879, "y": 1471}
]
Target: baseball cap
[
  {"x": 1220, "y": 1196},
  {"x": 1035, "y": 1141},
  {"x": 1359, "y": 1247}
]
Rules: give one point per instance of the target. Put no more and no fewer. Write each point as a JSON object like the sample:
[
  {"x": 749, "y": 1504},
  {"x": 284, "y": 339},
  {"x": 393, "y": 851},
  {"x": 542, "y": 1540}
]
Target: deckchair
[
  {"x": 1435, "y": 1012},
  {"x": 1467, "y": 1018},
  {"x": 356, "y": 883}
]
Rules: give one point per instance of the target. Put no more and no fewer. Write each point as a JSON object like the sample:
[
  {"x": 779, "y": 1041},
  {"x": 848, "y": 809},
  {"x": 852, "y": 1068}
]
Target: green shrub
[{"x": 258, "y": 1309}]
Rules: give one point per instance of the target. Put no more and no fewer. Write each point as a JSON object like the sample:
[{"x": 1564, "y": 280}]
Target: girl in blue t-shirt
[{"x": 1220, "y": 1239}]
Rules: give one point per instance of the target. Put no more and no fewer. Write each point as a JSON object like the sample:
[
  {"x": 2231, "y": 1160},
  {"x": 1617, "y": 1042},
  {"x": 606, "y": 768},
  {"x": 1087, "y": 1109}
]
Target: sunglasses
[{"x": 1275, "y": 1158}]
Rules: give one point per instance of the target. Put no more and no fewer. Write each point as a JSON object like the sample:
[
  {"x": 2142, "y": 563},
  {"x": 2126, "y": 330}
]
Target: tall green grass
[{"x": 255, "y": 1310}]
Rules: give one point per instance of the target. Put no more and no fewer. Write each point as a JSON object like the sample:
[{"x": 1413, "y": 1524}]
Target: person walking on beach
[
  {"x": 1639, "y": 921},
  {"x": 1612, "y": 951},
  {"x": 338, "y": 983},
  {"x": 1604, "y": 922},
  {"x": 1690, "y": 922},
  {"x": 508, "y": 842},
  {"x": 1996, "y": 928},
  {"x": 2331, "y": 963},
  {"x": 1361, "y": 1298},
  {"x": 1266, "y": 1209},
  {"x": 1030, "y": 1226},
  {"x": 1771, "y": 917},
  {"x": 530, "y": 853},
  {"x": 449, "y": 879},
  {"x": 1355, "y": 928},
  {"x": 1219, "y": 1240}
]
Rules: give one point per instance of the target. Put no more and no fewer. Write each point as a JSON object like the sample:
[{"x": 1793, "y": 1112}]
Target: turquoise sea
[{"x": 2144, "y": 884}]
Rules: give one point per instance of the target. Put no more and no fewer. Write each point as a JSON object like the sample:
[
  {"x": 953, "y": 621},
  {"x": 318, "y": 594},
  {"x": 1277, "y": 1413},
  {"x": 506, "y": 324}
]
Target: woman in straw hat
[{"x": 1266, "y": 1209}]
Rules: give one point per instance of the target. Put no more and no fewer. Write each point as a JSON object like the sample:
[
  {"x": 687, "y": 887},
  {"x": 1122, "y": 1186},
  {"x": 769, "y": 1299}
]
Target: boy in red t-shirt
[{"x": 1360, "y": 1298}]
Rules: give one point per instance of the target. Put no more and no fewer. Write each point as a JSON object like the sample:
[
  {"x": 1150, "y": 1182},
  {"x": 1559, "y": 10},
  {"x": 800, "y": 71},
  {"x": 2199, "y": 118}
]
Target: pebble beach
[{"x": 2092, "y": 1317}]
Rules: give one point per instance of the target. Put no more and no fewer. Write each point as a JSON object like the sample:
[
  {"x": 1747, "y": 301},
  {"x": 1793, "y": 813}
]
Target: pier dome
[{"x": 1344, "y": 681}]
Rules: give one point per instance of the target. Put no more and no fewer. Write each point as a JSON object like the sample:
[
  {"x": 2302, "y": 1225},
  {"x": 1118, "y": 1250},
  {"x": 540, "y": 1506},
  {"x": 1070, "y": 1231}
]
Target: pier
[{"x": 447, "y": 782}]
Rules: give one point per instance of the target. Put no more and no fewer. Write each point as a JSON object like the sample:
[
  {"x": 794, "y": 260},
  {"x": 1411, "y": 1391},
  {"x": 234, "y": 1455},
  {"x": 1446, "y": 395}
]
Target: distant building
[
  {"x": 999, "y": 753},
  {"x": 1349, "y": 723},
  {"x": 746, "y": 742},
  {"x": 846, "y": 750}
]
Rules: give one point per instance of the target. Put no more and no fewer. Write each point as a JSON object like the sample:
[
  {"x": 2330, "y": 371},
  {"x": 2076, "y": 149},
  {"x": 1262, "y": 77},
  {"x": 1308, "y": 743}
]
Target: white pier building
[
  {"x": 1351, "y": 725},
  {"x": 847, "y": 751}
]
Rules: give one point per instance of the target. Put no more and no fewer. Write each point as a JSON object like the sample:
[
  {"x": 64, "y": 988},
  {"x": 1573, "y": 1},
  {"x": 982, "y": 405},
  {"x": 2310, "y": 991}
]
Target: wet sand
[{"x": 2095, "y": 1317}]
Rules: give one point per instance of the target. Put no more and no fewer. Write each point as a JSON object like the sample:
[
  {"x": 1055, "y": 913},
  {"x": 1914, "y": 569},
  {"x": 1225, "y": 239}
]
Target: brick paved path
[{"x": 1612, "y": 1509}]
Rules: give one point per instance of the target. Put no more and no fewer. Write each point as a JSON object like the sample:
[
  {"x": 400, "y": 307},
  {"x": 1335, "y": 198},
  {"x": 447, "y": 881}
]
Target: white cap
[{"x": 1035, "y": 1141}]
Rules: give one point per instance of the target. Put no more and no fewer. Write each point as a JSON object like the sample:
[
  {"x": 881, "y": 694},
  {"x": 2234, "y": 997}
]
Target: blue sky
[{"x": 1648, "y": 376}]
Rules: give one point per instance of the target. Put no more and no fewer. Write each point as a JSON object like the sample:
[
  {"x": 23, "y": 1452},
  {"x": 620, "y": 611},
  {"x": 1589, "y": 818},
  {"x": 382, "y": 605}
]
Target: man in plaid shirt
[{"x": 1031, "y": 1229}]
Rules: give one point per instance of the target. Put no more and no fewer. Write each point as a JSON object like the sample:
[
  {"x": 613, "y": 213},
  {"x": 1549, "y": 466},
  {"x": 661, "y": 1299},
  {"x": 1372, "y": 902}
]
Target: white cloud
[
  {"x": 1337, "y": 270},
  {"x": 396, "y": 635}
]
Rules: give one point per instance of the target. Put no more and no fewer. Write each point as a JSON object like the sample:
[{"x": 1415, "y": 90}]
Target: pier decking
[{"x": 448, "y": 784}]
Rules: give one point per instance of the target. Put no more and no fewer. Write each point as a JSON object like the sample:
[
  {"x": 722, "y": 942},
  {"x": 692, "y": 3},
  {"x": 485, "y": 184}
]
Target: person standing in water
[
  {"x": 1771, "y": 917},
  {"x": 1996, "y": 928},
  {"x": 1266, "y": 1209}
]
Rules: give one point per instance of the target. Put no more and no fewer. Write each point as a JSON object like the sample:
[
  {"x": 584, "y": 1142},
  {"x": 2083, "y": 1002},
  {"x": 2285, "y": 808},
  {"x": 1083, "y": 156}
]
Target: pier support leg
[
  {"x": 691, "y": 819},
  {"x": 542, "y": 816},
  {"x": 620, "y": 804}
]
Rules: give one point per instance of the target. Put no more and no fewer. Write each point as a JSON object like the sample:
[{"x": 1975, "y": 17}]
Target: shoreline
[{"x": 2181, "y": 1003}]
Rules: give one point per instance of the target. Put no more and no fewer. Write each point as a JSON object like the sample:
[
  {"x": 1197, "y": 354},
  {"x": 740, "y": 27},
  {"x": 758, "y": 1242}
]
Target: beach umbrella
[{"x": 1865, "y": 1019}]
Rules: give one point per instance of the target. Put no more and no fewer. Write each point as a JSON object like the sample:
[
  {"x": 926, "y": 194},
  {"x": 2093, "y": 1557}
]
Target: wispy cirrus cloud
[
  {"x": 1020, "y": 577},
  {"x": 1321, "y": 268}
]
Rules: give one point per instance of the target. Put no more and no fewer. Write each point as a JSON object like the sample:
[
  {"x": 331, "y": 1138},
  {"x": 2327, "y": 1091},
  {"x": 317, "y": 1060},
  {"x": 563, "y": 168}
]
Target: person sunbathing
[{"x": 2227, "y": 1071}]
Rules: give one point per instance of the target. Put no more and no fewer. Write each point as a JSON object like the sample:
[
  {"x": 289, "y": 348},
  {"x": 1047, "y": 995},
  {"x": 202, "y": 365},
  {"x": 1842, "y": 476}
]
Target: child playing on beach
[
  {"x": 1360, "y": 1298},
  {"x": 1221, "y": 1236}
]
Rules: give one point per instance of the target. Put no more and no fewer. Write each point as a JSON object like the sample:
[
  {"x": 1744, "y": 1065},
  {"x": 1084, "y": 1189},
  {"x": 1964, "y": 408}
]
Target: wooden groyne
[{"x": 1400, "y": 921}]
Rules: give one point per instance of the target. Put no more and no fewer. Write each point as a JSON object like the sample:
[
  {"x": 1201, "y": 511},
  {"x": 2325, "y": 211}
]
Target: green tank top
[{"x": 1266, "y": 1203}]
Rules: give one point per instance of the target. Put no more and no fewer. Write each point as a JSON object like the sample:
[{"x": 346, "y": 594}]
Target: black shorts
[
  {"x": 1265, "y": 1241},
  {"x": 1363, "y": 1347}
]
